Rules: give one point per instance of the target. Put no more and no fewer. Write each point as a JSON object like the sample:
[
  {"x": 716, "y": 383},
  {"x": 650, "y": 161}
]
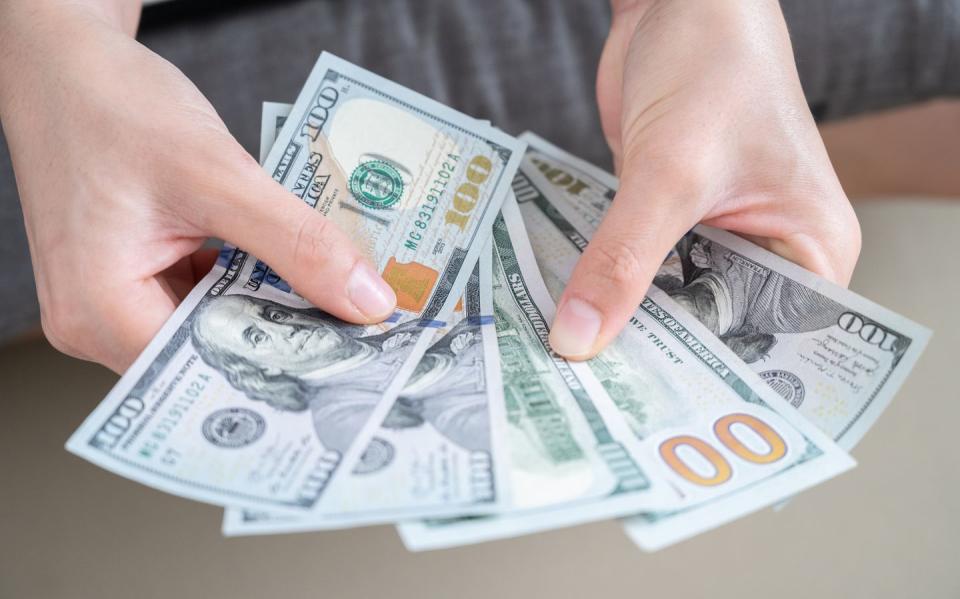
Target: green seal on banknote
[{"x": 376, "y": 184}]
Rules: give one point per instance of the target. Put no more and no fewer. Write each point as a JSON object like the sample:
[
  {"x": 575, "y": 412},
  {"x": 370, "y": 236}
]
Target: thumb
[
  {"x": 615, "y": 271},
  {"x": 308, "y": 250}
]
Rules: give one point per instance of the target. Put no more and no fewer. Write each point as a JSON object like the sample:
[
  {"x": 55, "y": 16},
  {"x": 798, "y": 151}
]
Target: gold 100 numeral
[
  {"x": 560, "y": 177},
  {"x": 468, "y": 194},
  {"x": 723, "y": 428}
]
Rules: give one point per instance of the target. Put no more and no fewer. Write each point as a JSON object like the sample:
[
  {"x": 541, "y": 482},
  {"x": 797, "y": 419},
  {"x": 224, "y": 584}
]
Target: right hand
[
  {"x": 124, "y": 170},
  {"x": 702, "y": 106}
]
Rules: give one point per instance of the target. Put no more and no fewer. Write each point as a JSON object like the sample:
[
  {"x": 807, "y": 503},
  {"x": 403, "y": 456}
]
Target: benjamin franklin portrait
[
  {"x": 448, "y": 390},
  {"x": 296, "y": 359}
]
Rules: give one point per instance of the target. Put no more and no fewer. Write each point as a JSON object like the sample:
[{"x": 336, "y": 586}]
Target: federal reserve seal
[
  {"x": 376, "y": 456},
  {"x": 786, "y": 384},
  {"x": 376, "y": 184},
  {"x": 233, "y": 427}
]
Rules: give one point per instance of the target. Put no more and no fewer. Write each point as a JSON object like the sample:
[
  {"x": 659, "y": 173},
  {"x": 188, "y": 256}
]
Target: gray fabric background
[{"x": 522, "y": 64}]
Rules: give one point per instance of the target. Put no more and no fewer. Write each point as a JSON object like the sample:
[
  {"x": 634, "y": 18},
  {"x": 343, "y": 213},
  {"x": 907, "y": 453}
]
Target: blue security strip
[
  {"x": 480, "y": 320},
  {"x": 225, "y": 255},
  {"x": 431, "y": 324},
  {"x": 425, "y": 323}
]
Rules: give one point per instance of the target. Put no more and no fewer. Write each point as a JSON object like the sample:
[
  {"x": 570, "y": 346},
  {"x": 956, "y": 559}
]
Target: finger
[
  {"x": 609, "y": 86},
  {"x": 616, "y": 269},
  {"x": 819, "y": 230},
  {"x": 202, "y": 261},
  {"x": 139, "y": 311},
  {"x": 136, "y": 315},
  {"x": 184, "y": 274},
  {"x": 309, "y": 251}
]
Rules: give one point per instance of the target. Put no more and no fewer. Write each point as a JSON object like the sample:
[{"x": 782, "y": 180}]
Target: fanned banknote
[
  {"x": 706, "y": 423},
  {"x": 835, "y": 356},
  {"x": 273, "y": 116},
  {"x": 568, "y": 446},
  {"x": 248, "y": 397},
  {"x": 437, "y": 451},
  {"x": 582, "y": 192}
]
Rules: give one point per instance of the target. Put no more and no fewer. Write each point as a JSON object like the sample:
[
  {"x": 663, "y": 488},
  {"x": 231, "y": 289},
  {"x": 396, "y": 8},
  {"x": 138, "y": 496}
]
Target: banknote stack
[{"x": 741, "y": 379}]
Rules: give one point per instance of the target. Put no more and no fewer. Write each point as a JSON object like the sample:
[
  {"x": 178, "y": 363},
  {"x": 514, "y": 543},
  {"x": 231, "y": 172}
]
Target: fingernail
[
  {"x": 575, "y": 329},
  {"x": 369, "y": 293}
]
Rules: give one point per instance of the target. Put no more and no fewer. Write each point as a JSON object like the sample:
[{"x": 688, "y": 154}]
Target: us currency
[
  {"x": 251, "y": 398},
  {"x": 273, "y": 116},
  {"x": 703, "y": 422},
  {"x": 568, "y": 446},
  {"x": 437, "y": 451},
  {"x": 583, "y": 192},
  {"x": 835, "y": 356}
]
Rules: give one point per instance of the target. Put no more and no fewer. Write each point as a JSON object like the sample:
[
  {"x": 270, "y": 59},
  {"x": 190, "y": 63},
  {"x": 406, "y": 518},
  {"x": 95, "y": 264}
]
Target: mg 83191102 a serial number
[{"x": 465, "y": 198}]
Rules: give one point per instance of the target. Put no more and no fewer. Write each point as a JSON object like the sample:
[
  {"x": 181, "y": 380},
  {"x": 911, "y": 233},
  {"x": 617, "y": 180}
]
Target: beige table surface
[{"x": 889, "y": 528}]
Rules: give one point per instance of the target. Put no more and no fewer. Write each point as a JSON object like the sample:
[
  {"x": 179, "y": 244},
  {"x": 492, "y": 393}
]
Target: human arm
[
  {"x": 124, "y": 170},
  {"x": 702, "y": 107}
]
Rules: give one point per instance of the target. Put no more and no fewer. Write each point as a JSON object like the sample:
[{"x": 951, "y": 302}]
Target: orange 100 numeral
[
  {"x": 723, "y": 428},
  {"x": 468, "y": 194}
]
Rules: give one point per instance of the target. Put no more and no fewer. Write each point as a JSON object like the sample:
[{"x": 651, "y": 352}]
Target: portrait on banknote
[
  {"x": 299, "y": 358},
  {"x": 448, "y": 391},
  {"x": 742, "y": 302}
]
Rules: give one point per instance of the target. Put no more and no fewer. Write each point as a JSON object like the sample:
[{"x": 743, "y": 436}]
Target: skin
[
  {"x": 124, "y": 169},
  {"x": 702, "y": 107}
]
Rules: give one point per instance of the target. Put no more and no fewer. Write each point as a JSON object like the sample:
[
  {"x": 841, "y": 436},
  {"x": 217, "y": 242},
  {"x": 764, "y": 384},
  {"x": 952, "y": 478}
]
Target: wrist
[
  {"x": 709, "y": 10},
  {"x": 629, "y": 9},
  {"x": 39, "y": 37},
  {"x": 29, "y": 15}
]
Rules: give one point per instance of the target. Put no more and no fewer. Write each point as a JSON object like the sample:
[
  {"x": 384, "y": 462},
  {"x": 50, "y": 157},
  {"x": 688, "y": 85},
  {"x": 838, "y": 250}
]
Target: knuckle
[
  {"x": 311, "y": 243},
  {"x": 235, "y": 155},
  {"x": 850, "y": 241},
  {"x": 840, "y": 239},
  {"x": 617, "y": 263},
  {"x": 671, "y": 177},
  {"x": 855, "y": 234},
  {"x": 61, "y": 331}
]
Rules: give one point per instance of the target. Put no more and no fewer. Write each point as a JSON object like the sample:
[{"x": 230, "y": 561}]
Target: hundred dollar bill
[
  {"x": 273, "y": 116},
  {"x": 569, "y": 448},
  {"x": 832, "y": 354},
  {"x": 708, "y": 423},
  {"x": 436, "y": 452},
  {"x": 249, "y": 397}
]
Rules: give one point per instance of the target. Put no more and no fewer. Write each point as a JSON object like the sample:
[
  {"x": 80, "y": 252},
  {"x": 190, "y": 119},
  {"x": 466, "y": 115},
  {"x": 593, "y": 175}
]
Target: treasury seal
[
  {"x": 786, "y": 384},
  {"x": 376, "y": 184},
  {"x": 233, "y": 427}
]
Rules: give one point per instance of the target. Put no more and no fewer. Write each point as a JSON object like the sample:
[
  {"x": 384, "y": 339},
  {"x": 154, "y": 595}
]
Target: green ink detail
[{"x": 376, "y": 184}]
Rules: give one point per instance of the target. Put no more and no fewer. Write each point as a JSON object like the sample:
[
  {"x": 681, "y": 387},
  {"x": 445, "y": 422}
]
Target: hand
[
  {"x": 124, "y": 170},
  {"x": 703, "y": 110}
]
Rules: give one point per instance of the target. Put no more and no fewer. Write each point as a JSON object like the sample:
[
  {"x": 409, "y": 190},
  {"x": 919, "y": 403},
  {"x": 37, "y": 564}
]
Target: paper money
[
  {"x": 583, "y": 192},
  {"x": 707, "y": 423},
  {"x": 436, "y": 453},
  {"x": 568, "y": 445},
  {"x": 273, "y": 116},
  {"x": 834, "y": 355},
  {"x": 249, "y": 397}
]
